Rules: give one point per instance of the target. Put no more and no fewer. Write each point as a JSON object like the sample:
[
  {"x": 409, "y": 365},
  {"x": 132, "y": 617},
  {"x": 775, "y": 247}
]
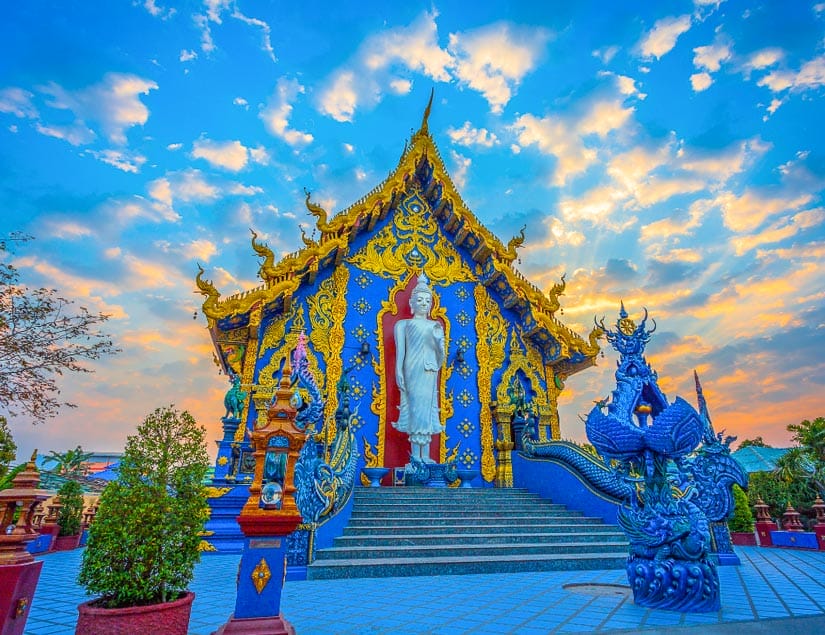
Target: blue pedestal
[
  {"x": 800, "y": 539},
  {"x": 262, "y": 561}
]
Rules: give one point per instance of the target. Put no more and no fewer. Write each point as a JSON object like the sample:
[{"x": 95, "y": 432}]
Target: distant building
[{"x": 758, "y": 459}]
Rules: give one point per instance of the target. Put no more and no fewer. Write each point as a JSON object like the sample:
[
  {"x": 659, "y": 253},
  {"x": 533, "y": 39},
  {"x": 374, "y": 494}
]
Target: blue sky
[{"x": 669, "y": 154}]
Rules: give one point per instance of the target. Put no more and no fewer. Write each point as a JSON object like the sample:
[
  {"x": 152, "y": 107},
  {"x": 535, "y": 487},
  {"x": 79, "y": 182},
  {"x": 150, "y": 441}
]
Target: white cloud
[
  {"x": 811, "y": 75},
  {"x": 415, "y": 47},
  {"x": 259, "y": 155},
  {"x": 18, "y": 102},
  {"x": 125, "y": 161},
  {"x": 174, "y": 146},
  {"x": 494, "y": 59},
  {"x": 340, "y": 98},
  {"x": 555, "y": 136},
  {"x": 240, "y": 101},
  {"x": 764, "y": 58},
  {"x": 710, "y": 57},
  {"x": 661, "y": 39},
  {"x": 188, "y": 185},
  {"x": 401, "y": 86},
  {"x": 627, "y": 86},
  {"x": 114, "y": 103},
  {"x": 230, "y": 155},
  {"x": 215, "y": 9},
  {"x": 278, "y": 110},
  {"x": 187, "y": 55},
  {"x": 462, "y": 167},
  {"x": 605, "y": 116},
  {"x": 158, "y": 12},
  {"x": 76, "y": 134},
  {"x": 606, "y": 54},
  {"x": 780, "y": 230},
  {"x": 700, "y": 82},
  {"x": 469, "y": 136},
  {"x": 749, "y": 210},
  {"x": 491, "y": 60}
]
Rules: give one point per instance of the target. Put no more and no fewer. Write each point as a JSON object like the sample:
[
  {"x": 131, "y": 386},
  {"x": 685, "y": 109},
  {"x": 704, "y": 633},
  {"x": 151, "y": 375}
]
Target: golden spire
[{"x": 424, "y": 128}]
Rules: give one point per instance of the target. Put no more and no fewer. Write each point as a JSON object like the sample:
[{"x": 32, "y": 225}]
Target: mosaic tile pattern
[{"x": 773, "y": 591}]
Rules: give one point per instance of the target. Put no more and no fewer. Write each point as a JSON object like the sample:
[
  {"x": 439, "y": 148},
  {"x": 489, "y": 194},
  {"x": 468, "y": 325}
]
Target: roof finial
[{"x": 424, "y": 127}]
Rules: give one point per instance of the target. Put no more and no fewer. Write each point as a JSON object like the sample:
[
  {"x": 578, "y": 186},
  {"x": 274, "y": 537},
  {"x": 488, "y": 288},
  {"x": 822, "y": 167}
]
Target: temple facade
[{"x": 505, "y": 345}]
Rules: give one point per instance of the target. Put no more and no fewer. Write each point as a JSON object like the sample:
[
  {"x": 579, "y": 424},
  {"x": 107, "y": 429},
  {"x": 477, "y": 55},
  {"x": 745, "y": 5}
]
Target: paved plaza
[{"x": 773, "y": 591}]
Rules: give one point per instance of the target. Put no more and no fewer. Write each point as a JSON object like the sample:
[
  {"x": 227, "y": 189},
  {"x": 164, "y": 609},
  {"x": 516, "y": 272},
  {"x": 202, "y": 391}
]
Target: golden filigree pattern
[
  {"x": 320, "y": 317},
  {"x": 491, "y": 332},
  {"x": 261, "y": 575},
  {"x": 205, "y": 545},
  {"x": 248, "y": 371},
  {"x": 413, "y": 238},
  {"x": 334, "y": 336}
]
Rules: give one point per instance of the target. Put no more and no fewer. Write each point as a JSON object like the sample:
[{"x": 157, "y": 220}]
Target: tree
[
  {"x": 756, "y": 442},
  {"x": 71, "y": 508},
  {"x": 143, "y": 545},
  {"x": 742, "y": 518},
  {"x": 810, "y": 460},
  {"x": 42, "y": 336},
  {"x": 8, "y": 448},
  {"x": 70, "y": 462}
]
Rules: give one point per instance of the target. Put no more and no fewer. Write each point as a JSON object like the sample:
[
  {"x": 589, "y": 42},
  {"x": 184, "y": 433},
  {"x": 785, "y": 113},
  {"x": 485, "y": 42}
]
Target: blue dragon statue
[
  {"x": 651, "y": 445},
  {"x": 324, "y": 473}
]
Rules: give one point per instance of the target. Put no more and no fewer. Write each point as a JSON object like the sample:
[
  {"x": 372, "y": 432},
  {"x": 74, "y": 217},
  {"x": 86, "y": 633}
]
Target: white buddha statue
[{"x": 419, "y": 355}]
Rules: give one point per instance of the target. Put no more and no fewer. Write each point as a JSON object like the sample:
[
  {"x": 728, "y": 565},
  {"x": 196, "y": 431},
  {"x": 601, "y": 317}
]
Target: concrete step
[
  {"x": 451, "y": 565},
  {"x": 447, "y": 506},
  {"x": 414, "y": 539},
  {"x": 458, "y": 512},
  {"x": 423, "y": 552},
  {"x": 464, "y": 528},
  {"x": 504, "y": 521}
]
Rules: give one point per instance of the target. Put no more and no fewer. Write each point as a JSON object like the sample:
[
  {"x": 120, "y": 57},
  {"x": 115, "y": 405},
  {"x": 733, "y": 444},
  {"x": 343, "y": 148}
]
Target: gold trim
[
  {"x": 215, "y": 492},
  {"x": 491, "y": 333}
]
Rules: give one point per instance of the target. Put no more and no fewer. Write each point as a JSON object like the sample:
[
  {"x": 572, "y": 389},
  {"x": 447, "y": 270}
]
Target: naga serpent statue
[
  {"x": 324, "y": 474},
  {"x": 672, "y": 490}
]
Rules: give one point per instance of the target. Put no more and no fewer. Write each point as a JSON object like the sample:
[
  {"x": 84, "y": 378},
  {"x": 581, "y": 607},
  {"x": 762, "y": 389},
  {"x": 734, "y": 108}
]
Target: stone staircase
[{"x": 407, "y": 531}]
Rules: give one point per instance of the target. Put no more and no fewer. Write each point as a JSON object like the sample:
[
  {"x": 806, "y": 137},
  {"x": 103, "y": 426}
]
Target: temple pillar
[
  {"x": 819, "y": 527},
  {"x": 19, "y": 572},
  {"x": 764, "y": 524},
  {"x": 504, "y": 447}
]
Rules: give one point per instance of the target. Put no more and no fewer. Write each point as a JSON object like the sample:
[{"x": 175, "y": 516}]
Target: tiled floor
[{"x": 770, "y": 584}]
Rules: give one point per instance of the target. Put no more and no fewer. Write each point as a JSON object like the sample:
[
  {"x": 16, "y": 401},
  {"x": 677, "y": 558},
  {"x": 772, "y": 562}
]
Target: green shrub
[
  {"x": 143, "y": 544},
  {"x": 777, "y": 493},
  {"x": 71, "y": 510},
  {"x": 742, "y": 519}
]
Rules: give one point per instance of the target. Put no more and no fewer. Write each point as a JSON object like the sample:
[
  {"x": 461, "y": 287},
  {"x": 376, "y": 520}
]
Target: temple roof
[{"x": 420, "y": 168}]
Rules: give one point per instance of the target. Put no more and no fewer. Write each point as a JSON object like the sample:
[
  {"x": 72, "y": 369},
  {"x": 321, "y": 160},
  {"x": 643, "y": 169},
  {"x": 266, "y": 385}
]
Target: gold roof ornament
[{"x": 463, "y": 229}]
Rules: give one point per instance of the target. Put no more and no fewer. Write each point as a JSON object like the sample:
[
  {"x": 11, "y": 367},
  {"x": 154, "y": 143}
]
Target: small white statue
[{"x": 419, "y": 355}]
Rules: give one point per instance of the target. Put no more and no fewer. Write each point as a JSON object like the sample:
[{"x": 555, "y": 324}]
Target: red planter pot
[
  {"x": 169, "y": 618},
  {"x": 66, "y": 543},
  {"x": 743, "y": 538}
]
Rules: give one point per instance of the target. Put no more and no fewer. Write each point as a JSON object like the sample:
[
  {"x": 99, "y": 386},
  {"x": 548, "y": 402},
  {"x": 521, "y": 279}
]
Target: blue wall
[{"x": 554, "y": 481}]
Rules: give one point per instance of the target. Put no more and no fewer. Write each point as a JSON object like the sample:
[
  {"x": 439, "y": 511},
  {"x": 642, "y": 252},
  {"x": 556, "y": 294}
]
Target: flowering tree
[{"x": 42, "y": 336}]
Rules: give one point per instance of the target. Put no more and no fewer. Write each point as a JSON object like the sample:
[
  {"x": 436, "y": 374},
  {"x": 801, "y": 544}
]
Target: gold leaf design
[
  {"x": 261, "y": 575},
  {"x": 491, "y": 332},
  {"x": 215, "y": 492},
  {"x": 205, "y": 545}
]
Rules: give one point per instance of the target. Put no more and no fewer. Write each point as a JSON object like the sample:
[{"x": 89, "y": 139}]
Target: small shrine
[{"x": 505, "y": 354}]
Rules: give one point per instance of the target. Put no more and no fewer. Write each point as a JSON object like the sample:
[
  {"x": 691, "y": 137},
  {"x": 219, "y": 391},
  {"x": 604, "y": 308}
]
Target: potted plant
[
  {"x": 143, "y": 546},
  {"x": 741, "y": 523},
  {"x": 68, "y": 518}
]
